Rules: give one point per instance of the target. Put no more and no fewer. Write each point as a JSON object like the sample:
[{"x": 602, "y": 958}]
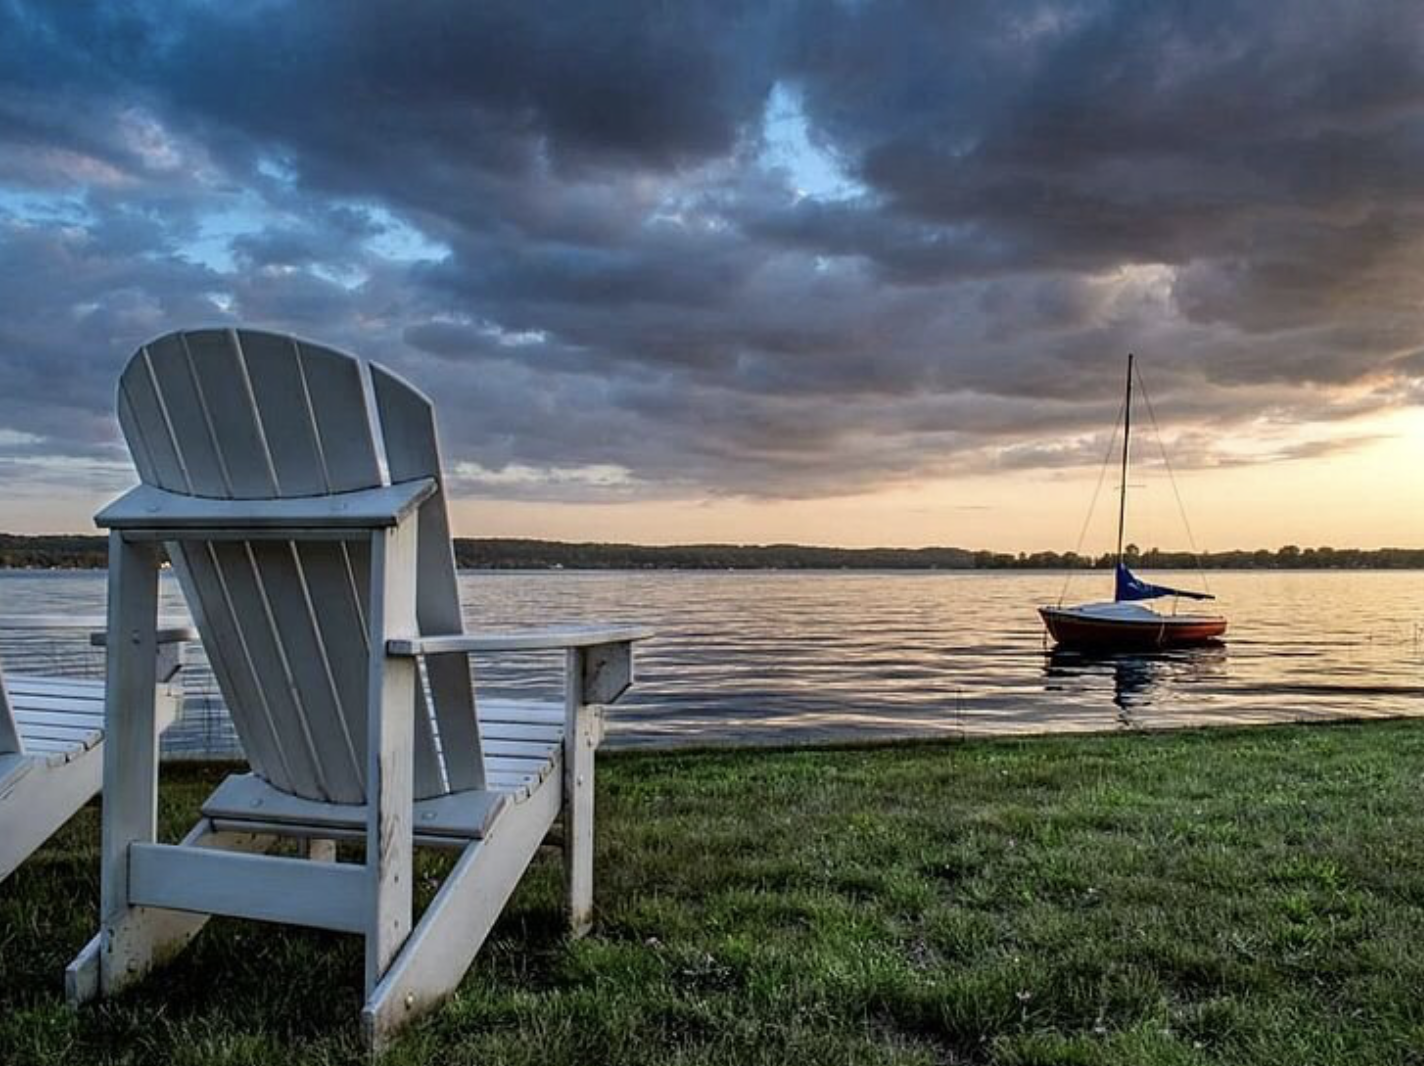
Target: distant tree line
[
  {"x": 53, "y": 552},
  {"x": 88, "y": 553}
]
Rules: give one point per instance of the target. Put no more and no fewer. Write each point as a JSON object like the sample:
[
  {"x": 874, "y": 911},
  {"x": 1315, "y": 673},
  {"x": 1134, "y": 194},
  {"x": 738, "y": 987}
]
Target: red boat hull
[{"x": 1075, "y": 631}]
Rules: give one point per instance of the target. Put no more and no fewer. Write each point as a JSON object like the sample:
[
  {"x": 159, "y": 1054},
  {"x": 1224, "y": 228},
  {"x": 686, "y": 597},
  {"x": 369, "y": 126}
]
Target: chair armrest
[
  {"x": 166, "y": 635},
  {"x": 170, "y": 633},
  {"x": 525, "y": 640},
  {"x": 146, "y": 508},
  {"x": 600, "y": 657},
  {"x": 170, "y": 637}
]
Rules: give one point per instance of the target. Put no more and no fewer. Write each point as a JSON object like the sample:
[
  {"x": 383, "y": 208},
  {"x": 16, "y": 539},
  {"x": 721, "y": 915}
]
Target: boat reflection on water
[{"x": 1138, "y": 676}]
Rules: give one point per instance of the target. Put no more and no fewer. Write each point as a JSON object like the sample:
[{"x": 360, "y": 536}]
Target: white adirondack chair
[
  {"x": 52, "y": 739},
  {"x": 320, "y": 586}
]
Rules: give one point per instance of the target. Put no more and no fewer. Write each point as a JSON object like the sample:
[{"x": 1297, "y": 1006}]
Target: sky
[{"x": 853, "y": 273}]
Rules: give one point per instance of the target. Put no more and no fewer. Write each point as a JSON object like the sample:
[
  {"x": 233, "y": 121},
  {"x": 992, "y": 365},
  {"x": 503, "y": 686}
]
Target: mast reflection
[{"x": 1137, "y": 677}]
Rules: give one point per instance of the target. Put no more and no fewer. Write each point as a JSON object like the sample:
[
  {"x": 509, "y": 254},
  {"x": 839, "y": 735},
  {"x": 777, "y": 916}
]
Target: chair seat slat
[
  {"x": 71, "y": 737},
  {"x": 496, "y": 710},
  {"x": 72, "y": 688},
  {"x": 58, "y": 704},
  {"x": 524, "y": 749},
  {"x": 527, "y": 731},
  {"x": 48, "y": 744},
  {"x": 246, "y": 796},
  {"x": 73, "y": 719}
]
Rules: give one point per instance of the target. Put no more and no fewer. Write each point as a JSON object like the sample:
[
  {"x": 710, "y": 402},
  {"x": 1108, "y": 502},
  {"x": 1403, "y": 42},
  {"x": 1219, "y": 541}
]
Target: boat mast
[{"x": 1126, "y": 434}]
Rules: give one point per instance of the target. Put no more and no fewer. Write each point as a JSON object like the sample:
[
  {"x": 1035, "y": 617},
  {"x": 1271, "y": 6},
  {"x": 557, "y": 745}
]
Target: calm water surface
[{"x": 755, "y": 657}]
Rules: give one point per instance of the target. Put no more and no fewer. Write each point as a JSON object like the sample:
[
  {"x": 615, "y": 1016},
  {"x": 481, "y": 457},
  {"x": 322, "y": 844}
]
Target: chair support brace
[{"x": 209, "y": 881}]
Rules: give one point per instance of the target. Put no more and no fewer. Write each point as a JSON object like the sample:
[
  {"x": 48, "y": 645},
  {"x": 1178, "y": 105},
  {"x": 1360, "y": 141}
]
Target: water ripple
[{"x": 794, "y": 656}]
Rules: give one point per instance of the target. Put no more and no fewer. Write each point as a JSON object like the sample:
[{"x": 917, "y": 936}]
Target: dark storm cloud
[{"x": 575, "y": 227}]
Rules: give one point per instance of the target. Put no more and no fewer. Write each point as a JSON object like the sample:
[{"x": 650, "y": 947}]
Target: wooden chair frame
[
  {"x": 156, "y": 897},
  {"x": 42, "y": 789}
]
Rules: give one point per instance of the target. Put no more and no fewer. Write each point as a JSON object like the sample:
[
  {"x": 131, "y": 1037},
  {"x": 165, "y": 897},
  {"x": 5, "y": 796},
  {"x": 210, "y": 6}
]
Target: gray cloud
[{"x": 568, "y": 225}]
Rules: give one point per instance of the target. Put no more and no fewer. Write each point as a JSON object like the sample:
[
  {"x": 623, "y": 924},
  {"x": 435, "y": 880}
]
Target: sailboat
[{"x": 1127, "y": 623}]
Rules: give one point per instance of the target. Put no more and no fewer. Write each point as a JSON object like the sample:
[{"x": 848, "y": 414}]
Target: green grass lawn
[{"x": 1231, "y": 896}]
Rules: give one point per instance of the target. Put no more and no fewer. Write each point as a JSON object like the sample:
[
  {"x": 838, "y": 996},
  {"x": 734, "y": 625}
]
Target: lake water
[{"x": 777, "y": 657}]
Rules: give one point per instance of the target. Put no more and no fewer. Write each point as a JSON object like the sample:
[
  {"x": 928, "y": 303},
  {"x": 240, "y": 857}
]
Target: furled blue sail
[{"x": 1132, "y": 587}]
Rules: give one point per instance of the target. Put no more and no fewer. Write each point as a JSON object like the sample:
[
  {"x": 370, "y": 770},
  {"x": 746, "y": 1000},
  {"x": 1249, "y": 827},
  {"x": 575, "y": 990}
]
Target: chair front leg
[
  {"x": 582, "y": 733},
  {"x": 132, "y": 939},
  {"x": 390, "y": 725}
]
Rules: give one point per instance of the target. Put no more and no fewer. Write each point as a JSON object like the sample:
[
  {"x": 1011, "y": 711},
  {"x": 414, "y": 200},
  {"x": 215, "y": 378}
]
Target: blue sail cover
[{"x": 1132, "y": 587}]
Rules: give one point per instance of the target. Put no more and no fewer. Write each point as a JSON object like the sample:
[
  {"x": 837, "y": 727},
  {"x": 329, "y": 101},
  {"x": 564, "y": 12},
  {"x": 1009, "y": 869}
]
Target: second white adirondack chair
[
  {"x": 52, "y": 738},
  {"x": 320, "y": 586}
]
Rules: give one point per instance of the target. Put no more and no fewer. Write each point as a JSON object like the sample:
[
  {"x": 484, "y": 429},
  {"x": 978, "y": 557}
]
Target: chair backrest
[{"x": 245, "y": 414}]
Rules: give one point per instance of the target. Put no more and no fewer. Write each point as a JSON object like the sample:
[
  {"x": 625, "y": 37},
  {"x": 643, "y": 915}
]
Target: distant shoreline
[{"x": 64, "y": 552}]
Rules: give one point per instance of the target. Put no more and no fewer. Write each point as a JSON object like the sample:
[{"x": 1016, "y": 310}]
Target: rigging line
[
  {"x": 1093, "y": 504},
  {"x": 1172, "y": 479}
]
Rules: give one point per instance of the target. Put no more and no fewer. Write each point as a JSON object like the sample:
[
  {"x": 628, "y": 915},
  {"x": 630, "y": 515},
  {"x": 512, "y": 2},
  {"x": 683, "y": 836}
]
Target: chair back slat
[
  {"x": 343, "y": 418},
  {"x": 284, "y": 433},
  {"x": 224, "y": 405},
  {"x": 334, "y": 593},
  {"x": 413, "y": 451},
  {"x": 251, "y": 581},
  {"x": 243, "y": 414},
  {"x": 166, "y": 367},
  {"x": 10, "y": 743},
  {"x": 147, "y": 429},
  {"x": 200, "y": 574}
]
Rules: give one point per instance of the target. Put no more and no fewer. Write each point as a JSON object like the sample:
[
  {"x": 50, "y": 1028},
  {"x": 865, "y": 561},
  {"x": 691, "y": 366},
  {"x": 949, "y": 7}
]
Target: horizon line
[{"x": 764, "y": 545}]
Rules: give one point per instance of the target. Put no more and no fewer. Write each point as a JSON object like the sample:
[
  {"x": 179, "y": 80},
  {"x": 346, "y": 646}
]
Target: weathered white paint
[
  {"x": 580, "y": 740},
  {"x": 38, "y": 796},
  {"x": 131, "y": 939},
  {"x": 82, "y": 977},
  {"x": 457, "y": 921},
  {"x": 607, "y": 671},
  {"x": 9, "y": 735},
  {"x": 51, "y": 732},
  {"x": 390, "y": 766},
  {"x": 265, "y": 887},
  {"x": 147, "y": 508},
  {"x": 169, "y": 633},
  {"x": 555, "y": 639},
  {"x": 413, "y": 451},
  {"x": 467, "y": 815},
  {"x": 317, "y": 586}
]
